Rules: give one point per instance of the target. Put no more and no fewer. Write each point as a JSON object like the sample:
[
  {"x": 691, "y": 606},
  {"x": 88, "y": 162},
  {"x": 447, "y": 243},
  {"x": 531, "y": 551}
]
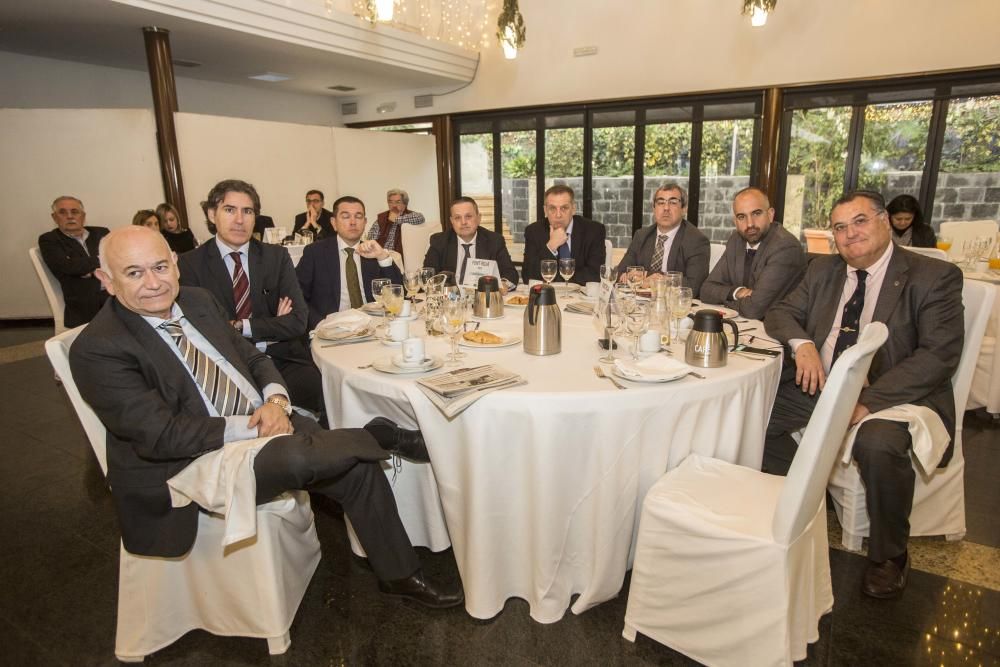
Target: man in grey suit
[
  {"x": 672, "y": 244},
  {"x": 920, "y": 300},
  {"x": 762, "y": 261}
]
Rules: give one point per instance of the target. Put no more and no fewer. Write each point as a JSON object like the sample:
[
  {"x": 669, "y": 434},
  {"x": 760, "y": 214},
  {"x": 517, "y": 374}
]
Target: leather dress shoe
[
  {"x": 885, "y": 580},
  {"x": 420, "y": 589},
  {"x": 390, "y": 437}
]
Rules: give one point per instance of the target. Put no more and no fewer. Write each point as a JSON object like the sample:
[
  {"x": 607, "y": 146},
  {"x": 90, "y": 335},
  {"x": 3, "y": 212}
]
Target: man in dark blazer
[
  {"x": 448, "y": 250},
  {"x": 315, "y": 218},
  {"x": 672, "y": 244},
  {"x": 70, "y": 252},
  {"x": 762, "y": 261},
  {"x": 325, "y": 279},
  {"x": 564, "y": 234},
  {"x": 920, "y": 300},
  {"x": 139, "y": 380},
  {"x": 273, "y": 314}
]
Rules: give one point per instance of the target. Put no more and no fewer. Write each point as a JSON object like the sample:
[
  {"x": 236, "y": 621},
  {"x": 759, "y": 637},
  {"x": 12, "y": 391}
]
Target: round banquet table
[{"x": 538, "y": 488}]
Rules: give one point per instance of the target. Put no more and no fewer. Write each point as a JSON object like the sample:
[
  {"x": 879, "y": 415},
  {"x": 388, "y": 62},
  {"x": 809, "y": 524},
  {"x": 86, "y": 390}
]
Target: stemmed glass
[
  {"x": 392, "y": 300},
  {"x": 377, "y": 285},
  {"x": 548, "y": 270},
  {"x": 411, "y": 281},
  {"x": 426, "y": 274},
  {"x": 680, "y": 306},
  {"x": 612, "y": 325},
  {"x": 636, "y": 323},
  {"x": 635, "y": 275},
  {"x": 452, "y": 321},
  {"x": 567, "y": 267}
]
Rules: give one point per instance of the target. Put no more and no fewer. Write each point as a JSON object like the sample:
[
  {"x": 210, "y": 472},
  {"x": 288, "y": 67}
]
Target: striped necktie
[
  {"x": 850, "y": 321},
  {"x": 217, "y": 386},
  {"x": 656, "y": 264},
  {"x": 241, "y": 288}
]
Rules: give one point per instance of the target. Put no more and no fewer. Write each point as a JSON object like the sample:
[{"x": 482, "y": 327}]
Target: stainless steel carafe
[
  {"x": 542, "y": 322},
  {"x": 707, "y": 346},
  {"x": 488, "y": 303}
]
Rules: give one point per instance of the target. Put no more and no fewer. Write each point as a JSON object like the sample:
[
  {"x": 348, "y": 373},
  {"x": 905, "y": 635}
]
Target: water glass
[
  {"x": 548, "y": 268},
  {"x": 636, "y": 323},
  {"x": 392, "y": 300},
  {"x": 377, "y": 285},
  {"x": 635, "y": 275}
]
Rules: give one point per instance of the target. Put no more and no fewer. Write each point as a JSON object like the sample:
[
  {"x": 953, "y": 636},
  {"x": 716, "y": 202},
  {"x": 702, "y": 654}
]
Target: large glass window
[
  {"x": 667, "y": 157},
  {"x": 517, "y": 159},
  {"x": 816, "y": 165},
  {"x": 613, "y": 164},
  {"x": 968, "y": 183},
  {"x": 476, "y": 160},
  {"x": 894, "y": 148},
  {"x": 726, "y": 157}
]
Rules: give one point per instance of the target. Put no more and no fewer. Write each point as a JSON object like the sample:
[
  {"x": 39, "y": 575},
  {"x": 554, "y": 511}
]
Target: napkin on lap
[
  {"x": 343, "y": 324},
  {"x": 927, "y": 431},
  {"x": 654, "y": 368}
]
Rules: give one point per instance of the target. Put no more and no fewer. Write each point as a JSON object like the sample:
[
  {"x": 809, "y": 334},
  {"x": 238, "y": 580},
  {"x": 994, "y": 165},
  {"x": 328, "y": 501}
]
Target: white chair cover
[
  {"x": 960, "y": 231},
  {"x": 938, "y": 498},
  {"x": 51, "y": 287},
  {"x": 717, "y": 250},
  {"x": 250, "y": 589},
  {"x": 416, "y": 241},
  {"x": 936, "y": 253},
  {"x": 732, "y": 564}
]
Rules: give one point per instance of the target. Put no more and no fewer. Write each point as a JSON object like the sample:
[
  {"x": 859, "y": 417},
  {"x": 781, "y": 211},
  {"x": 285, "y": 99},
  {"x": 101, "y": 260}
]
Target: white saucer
[
  {"x": 419, "y": 366},
  {"x": 386, "y": 366}
]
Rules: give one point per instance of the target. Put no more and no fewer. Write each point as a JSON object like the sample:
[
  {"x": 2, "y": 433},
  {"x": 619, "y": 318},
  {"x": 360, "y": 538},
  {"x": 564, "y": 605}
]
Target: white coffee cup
[
  {"x": 406, "y": 309},
  {"x": 593, "y": 290},
  {"x": 399, "y": 330},
  {"x": 650, "y": 341},
  {"x": 413, "y": 350}
]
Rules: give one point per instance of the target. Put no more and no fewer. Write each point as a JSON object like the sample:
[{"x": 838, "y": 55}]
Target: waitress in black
[
  {"x": 179, "y": 237},
  {"x": 908, "y": 226}
]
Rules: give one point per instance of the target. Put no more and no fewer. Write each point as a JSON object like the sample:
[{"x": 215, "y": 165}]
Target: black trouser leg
[
  {"x": 882, "y": 450},
  {"x": 792, "y": 410},
  {"x": 304, "y": 382}
]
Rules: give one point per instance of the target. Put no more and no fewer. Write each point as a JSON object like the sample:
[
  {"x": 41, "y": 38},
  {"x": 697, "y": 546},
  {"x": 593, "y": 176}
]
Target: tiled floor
[{"x": 59, "y": 554}]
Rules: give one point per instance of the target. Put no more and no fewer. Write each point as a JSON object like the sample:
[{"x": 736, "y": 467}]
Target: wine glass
[
  {"x": 411, "y": 281},
  {"x": 548, "y": 270},
  {"x": 635, "y": 275},
  {"x": 636, "y": 323},
  {"x": 392, "y": 300},
  {"x": 567, "y": 267},
  {"x": 680, "y": 306},
  {"x": 612, "y": 325},
  {"x": 452, "y": 322},
  {"x": 426, "y": 273},
  {"x": 674, "y": 278},
  {"x": 944, "y": 243},
  {"x": 377, "y": 285}
]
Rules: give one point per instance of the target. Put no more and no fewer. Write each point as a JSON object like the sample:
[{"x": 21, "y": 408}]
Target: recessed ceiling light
[
  {"x": 342, "y": 89},
  {"x": 270, "y": 76},
  {"x": 185, "y": 63}
]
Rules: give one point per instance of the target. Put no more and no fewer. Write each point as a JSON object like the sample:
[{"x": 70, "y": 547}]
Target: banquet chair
[
  {"x": 51, "y": 287},
  {"x": 249, "y": 589},
  {"x": 717, "y": 250},
  {"x": 732, "y": 564},
  {"x": 960, "y": 231},
  {"x": 938, "y": 498},
  {"x": 936, "y": 253},
  {"x": 416, "y": 241}
]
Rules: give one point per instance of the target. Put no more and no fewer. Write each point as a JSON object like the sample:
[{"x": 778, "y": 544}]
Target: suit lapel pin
[{"x": 896, "y": 284}]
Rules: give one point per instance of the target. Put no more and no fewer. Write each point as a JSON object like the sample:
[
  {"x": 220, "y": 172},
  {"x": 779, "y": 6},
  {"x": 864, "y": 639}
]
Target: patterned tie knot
[
  {"x": 173, "y": 327},
  {"x": 862, "y": 276},
  {"x": 349, "y": 251},
  {"x": 236, "y": 256}
]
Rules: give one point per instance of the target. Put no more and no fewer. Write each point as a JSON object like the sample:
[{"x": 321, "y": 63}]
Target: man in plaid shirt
[{"x": 386, "y": 229}]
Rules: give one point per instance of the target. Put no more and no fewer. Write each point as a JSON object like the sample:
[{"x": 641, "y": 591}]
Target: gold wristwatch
[{"x": 282, "y": 403}]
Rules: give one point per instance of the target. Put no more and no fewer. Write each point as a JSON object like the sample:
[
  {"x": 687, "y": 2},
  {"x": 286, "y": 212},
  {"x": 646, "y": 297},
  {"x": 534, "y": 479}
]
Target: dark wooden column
[
  {"x": 161, "y": 79},
  {"x": 444, "y": 144},
  {"x": 767, "y": 169}
]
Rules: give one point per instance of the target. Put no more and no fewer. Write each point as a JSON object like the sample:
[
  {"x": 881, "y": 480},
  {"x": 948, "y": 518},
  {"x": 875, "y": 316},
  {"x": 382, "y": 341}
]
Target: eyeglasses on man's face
[
  {"x": 673, "y": 202},
  {"x": 859, "y": 223}
]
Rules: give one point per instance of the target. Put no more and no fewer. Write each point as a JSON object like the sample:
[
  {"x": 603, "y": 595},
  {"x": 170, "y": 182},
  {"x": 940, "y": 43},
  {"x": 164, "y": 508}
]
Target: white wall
[
  {"x": 106, "y": 157},
  {"x": 369, "y": 163},
  {"x": 44, "y": 83},
  {"x": 652, "y": 47}
]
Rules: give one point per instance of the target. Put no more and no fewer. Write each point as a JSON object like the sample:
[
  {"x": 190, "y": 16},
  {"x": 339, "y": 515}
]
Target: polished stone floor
[{"x": 59, "y": 556}]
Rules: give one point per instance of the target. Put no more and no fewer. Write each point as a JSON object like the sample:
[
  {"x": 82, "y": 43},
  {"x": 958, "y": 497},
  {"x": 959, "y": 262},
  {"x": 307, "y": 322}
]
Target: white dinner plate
[
  {"x": 514, "y": 305},
  {"x": 508, "y": 340},
  {"x": 422, "y": 366},
  {"x": 372, "y": 308},
  {"x": 655, "y": 380},
  {"x": 726, "y": 312},
  {"x": 360, "y": 336},
  {"x": 386, "y": 366}
]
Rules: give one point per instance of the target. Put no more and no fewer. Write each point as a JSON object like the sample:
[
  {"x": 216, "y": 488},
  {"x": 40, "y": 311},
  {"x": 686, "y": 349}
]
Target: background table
[{"x": 538, "y": 488}]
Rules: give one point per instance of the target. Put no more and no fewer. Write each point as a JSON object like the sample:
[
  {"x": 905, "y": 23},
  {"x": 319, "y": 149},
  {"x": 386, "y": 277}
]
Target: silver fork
[{"x": 599, "y": 372}]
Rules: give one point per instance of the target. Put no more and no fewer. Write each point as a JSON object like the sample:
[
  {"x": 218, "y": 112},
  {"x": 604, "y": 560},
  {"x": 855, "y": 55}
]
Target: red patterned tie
[{"x": 241, "y": 288}]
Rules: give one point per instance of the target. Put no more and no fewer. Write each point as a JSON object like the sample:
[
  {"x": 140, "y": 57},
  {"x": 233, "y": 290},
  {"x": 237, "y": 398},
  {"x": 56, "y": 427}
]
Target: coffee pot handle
[{"x": 736, "y": 334}]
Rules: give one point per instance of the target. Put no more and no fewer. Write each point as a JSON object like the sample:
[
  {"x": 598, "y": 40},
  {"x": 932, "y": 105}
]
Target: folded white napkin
[
  {"x": 223, "y": 482},
  {"x": 654, "y": 368},
  {"x": 343, "y": 324},
  {"x": 927, "y": 431}
]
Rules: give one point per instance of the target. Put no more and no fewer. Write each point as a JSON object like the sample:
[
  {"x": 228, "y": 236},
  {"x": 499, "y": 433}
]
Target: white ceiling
[{"x": 107, "y": 33}]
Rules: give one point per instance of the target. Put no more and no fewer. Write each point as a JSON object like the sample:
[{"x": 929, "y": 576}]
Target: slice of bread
[{"x": 482, "y": 337}]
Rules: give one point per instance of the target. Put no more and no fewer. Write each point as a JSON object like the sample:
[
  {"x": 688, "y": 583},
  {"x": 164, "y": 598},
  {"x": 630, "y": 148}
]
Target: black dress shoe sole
[
  {"x": 426, "y": 603},
  {"x": 892, "y": 592}
]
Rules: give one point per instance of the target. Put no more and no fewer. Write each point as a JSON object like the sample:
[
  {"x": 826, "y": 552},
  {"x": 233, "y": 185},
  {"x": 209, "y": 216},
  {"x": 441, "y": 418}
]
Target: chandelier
[
  {"x": 461, "y": 23},
  {"x": 758, "y": 10}
]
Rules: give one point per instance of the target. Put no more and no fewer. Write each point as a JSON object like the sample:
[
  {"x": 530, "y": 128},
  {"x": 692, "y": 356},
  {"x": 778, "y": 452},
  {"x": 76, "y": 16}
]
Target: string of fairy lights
[{"x": 461, "y": 23}]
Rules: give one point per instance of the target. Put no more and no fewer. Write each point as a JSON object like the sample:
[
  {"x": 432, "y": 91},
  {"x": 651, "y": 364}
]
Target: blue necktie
[{"x": 564, "y": 250}]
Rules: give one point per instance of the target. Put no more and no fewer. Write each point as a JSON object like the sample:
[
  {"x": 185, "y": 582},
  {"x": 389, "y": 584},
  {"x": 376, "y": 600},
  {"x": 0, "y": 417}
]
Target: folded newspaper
[{"x": 454, "y": 391}]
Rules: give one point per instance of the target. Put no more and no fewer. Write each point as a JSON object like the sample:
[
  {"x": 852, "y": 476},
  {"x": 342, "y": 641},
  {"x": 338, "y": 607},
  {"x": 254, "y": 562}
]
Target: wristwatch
[
  {"x": 282, "y": 403},
  {"x": 238, "y": 325}
]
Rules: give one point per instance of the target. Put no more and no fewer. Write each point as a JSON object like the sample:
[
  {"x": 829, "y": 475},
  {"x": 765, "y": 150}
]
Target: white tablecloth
[
  {"x": 985, "y": 390},
  {"x": 539, "y": 487}
]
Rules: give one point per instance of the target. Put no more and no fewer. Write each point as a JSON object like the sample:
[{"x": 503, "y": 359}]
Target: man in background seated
[
  {"x": 328, "y": 272},
  {"x": 172, "y": 380},
  {"x": 563, "y": 235},
  {"x": 255, "y": 283},
  {"x": 920, "y": 300},
  {"x": 672, "y": 243},
  {"x": 451, "y": 250},
  {"x": 70, "y": 252},
  {"x": 315, "y": 219},
  {"x": 388, "y": 227},
  {"x": 762, "y": 261}
]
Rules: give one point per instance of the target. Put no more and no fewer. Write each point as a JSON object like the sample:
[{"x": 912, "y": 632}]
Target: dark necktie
[
  {"x": 563, "y": 250},
  {"x": 465, "y": 262},
  {"x": 218, "y": 387},
  {"x": 656, "y": 264},
  {"x": 241, "y": 288},
  {"x": 747, "y": 263},
  {"x": 353, "y": 284},
  {"x": 850, "y": 322}
]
